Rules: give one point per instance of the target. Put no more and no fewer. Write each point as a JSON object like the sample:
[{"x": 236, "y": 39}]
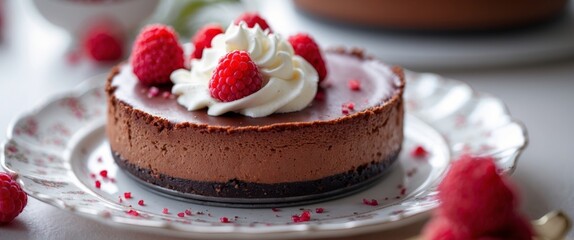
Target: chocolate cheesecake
[{"x": 345, "y": 137}]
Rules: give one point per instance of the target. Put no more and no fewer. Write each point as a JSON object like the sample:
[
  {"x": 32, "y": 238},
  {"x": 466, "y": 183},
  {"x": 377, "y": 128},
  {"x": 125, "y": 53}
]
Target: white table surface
[{"x": 33, "y": 66}]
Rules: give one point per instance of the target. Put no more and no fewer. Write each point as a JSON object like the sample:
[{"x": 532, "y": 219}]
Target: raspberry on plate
[
  {"x": 156, "y": 54},
  {"x": 476, "y": 203},
  {"x": 518, "y": 228},
  {"x": 235, "y": 77},
  {"x": 440, "y": 228},
  {"x": 252, "y": 18},
  {"x": 202, "y": 38},
  {"x": 475, "y": 195},
  {"x": 306, "y": 47},
  {"x": 12, "y": 199}
]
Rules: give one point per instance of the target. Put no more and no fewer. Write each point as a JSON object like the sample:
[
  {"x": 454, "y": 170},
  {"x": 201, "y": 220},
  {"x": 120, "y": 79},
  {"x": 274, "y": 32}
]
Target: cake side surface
[{"x": 314, "y": 155}]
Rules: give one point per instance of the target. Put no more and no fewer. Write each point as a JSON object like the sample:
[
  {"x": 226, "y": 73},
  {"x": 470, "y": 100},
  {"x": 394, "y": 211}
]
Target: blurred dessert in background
[
  {"x": 437, "y": 15},
  {"x": 1, "y": 20}
]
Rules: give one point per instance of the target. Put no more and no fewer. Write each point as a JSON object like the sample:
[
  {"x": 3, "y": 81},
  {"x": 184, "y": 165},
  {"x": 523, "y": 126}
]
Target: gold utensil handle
[{"x": 554, "y": 225}]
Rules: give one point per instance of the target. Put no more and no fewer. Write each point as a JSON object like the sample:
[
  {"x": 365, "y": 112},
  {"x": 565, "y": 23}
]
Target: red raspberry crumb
[
  {"x": 354, "y": 85},
  {"x": 127, "y": 195},
  {"x": 202, "y": 38},
  {"x": 98, "y": 184},
  {"x": 165, "y": 211},
  {"x": 372, "y": 202},
  {"x": 104, "y": 173},
  {"x": 156, "y": 54},
  {"x": 308, "y": 49},
  {"x": 187, "y": 212},
  {"x": 224, "y": 220},
  {"x": 166, "y": 95},
  {"x": 419, "y": 152},
  {"x": 103, "y": 42},
  {"x": 252, "y": 18},
  {"x": 133, "y": 213},
  {"x": 236, "y": 76},
  {"x": 403, "y": 191},
  {"x": 120, "y": 200},
  {"x": 92, "y": 175},
  {"x": 152, "y": 92},
  {"x": 181, "y": 214},
  {"x": 141, "y": 202},
  {"x": 304, "y": 217},
  {"x": 275, "y": 209},
  {"x": 295, "y": 218},
  {"x": 12, "y": 199},
  {"x": 319, "y": 210},
  {"x": 350, "y": 105},
  {"x": 345, "y": 111},
  {"x": 474, "y": 195}
]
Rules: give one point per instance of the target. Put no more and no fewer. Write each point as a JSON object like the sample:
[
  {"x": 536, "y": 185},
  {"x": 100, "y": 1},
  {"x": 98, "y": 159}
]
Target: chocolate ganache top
[{"x": 379, "y": 83}]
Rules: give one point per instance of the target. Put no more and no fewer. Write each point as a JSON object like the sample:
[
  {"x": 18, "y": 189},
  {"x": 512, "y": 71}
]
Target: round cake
[{"x": 348, "y": 135}]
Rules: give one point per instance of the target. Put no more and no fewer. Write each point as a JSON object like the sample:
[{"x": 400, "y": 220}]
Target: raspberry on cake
[
  {"x": 156, "y": 54},
  {"x": 202, "y": 39},
  {"x": 306, "y": 47},
  {"x": 235, "y": 77},
  {"x": 244, "y": 123},
  {"x": 252, "y": 19}
]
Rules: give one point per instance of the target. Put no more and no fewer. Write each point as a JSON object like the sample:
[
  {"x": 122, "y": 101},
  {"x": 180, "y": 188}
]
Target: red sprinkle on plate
[
  {"x": 372, "y": 202},
  {"x": 419, "y": 152},
  {"x": 354, "y": 85}
]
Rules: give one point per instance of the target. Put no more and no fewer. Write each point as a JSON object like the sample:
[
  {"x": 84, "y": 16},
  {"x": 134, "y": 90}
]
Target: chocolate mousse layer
[
  {"x": 315, "y": 150},
  {"x": 234, "y": 188}
]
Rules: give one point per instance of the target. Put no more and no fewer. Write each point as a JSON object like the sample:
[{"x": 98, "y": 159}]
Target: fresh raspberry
[
  {"x": 307, "y": 48},
  {"x": 12, "y": 199},
  {"x": 519, "y": 228},
  {"x": 440, "y": 228},
  {"x": 103, "y": 43},
  {"x": 252, "y": 18},
  {"x": 236, "y": 76},
  {"x": 156, "y": 54},
  {"x": 474, "y": 195},
  {"x": 202, "y": 38}
]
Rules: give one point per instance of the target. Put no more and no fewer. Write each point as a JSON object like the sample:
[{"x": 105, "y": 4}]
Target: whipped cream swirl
[{"x": 289, "y": 84}]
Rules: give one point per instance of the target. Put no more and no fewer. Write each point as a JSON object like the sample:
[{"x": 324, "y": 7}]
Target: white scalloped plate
[{"x": 58, "y": 150}]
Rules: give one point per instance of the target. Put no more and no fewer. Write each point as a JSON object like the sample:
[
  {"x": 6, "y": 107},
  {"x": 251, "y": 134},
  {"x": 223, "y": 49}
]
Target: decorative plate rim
[{"x": 359, "y": 226}]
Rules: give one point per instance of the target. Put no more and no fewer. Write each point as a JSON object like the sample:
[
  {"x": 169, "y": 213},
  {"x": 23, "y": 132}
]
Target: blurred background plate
[{"x": 424, "y": 51}]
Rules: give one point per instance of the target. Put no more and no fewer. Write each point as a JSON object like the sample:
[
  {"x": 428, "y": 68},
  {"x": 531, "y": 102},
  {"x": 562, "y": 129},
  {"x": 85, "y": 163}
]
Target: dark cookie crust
[{"x": 239, "y": 189}]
